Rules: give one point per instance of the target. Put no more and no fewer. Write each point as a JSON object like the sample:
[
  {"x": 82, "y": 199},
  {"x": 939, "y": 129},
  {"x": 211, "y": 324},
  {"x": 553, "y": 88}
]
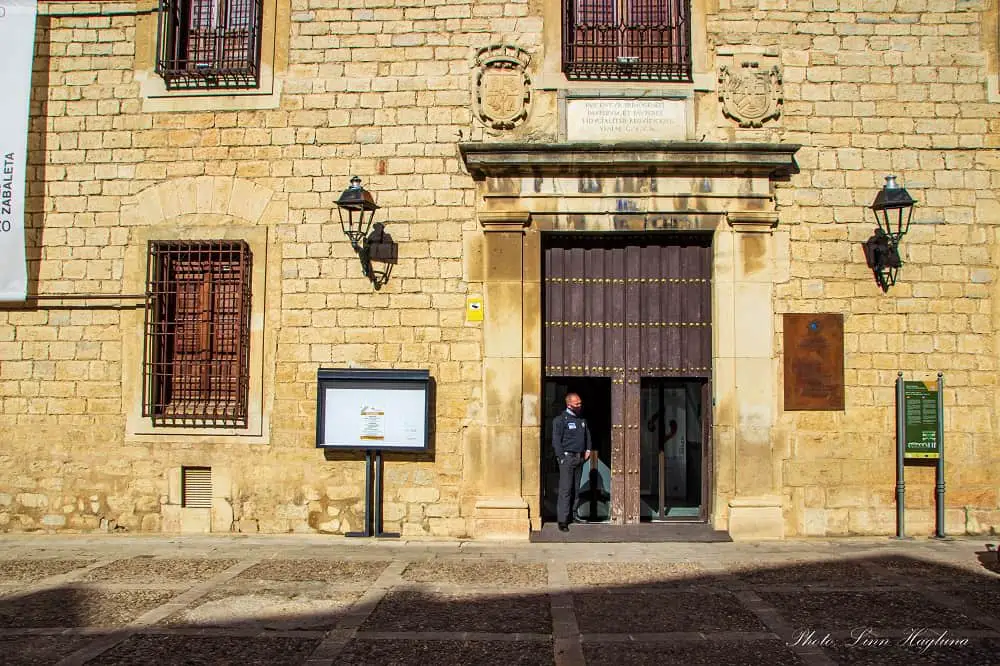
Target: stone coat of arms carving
[
  {"x": 750, "y": 94},
  {"x": 502, "y": 95}
]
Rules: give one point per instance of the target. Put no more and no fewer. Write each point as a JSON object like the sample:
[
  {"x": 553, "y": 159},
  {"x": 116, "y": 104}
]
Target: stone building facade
[{"x": 460, "y": 119}]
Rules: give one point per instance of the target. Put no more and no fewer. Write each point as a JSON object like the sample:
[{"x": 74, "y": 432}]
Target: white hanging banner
[{"x": 17, "y": 35}]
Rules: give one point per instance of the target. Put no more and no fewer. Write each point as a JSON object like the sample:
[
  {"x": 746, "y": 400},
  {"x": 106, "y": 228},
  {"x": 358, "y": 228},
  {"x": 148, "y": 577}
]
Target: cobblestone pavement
[{"x": 327, "y": 600}]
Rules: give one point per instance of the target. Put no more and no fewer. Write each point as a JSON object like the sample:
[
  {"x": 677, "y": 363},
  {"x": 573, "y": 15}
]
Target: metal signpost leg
[
  {"x": 378, "y": 500},
  {"x": 367, "y": 530},
  {"x": 939, "y": 489},
  {"x": 377, "y": 495},
  {"x": 900, "y": 443}
]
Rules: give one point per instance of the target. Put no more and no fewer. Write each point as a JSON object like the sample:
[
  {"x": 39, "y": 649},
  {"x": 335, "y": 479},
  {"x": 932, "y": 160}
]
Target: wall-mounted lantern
[
  {"x": 893, "y": 208},
  {"x": 356, "y": 208},
  {"x": 376, "y": 250}
]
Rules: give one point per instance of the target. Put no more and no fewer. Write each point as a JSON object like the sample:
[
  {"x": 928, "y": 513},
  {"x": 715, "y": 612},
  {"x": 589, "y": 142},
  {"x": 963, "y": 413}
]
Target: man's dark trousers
[{"x": 569, "y": 478}]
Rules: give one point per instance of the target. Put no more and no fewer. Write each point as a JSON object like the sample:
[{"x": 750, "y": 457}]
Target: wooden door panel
[
  {"x": 650, "y": 311},
  {"x": 614, "y": 284},
  {"x": 583, "y": 311},
  {"x": 633, "y": 354},
  {"x": 595, "y": 314},
  {"x": 615, "y": 277},
  {"x": 576, "y": 351},
  {"x": 618, "y": 450}
]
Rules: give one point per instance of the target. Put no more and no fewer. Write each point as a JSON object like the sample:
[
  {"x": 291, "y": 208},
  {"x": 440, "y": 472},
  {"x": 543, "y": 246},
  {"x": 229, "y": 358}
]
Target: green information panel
[{"x": 921, "y": 420}]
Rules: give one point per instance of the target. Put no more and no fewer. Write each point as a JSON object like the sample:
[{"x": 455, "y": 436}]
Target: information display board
[
  {"x": 921, "y": 420},
  {"x": 386, "y": 410},
  {"x": 920, "y": 436}
]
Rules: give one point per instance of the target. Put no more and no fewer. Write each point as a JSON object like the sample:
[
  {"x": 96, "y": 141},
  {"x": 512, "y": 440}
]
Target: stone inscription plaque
[
  {"x": 814, "y": 362},
  {"x": 626, "y": 119}
]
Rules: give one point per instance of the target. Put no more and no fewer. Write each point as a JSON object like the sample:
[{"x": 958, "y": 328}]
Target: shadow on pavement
[{"x": 884, "y": 609}]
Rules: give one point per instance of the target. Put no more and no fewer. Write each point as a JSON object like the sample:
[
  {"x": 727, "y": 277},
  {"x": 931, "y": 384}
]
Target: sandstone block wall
[
  {"x": 374, "y": 89},
  {"x": 873, "y": 88},
  {"x": 382, "y": 89}
]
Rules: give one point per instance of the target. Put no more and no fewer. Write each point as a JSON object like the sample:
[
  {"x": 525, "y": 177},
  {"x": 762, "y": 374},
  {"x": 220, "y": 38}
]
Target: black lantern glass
[
  {"x": 893, "y": 207},
  {"x": 356, "y": 208}
]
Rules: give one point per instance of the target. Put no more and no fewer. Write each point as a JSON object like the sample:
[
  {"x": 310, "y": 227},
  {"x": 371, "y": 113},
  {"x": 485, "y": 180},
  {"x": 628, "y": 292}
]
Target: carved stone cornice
[
  {"x": 488, "y": 160},
  {"x": 753, "y": 221},
  {"x": 505, "y": 220}
]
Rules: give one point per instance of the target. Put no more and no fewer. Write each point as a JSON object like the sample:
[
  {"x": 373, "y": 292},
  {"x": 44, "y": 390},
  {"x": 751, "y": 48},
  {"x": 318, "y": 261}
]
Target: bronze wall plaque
[{"x": 814, "y": 362}]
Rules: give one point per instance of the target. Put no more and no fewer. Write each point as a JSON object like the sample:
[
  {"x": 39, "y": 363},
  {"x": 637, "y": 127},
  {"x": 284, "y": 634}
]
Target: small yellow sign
[{"x": 474, "y": 308}]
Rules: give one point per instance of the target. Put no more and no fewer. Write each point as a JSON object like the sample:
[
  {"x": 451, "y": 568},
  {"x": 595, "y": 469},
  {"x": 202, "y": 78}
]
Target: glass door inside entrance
[
  {"x": 671, "y": 445},
  {"x": 593, "y": 496}
]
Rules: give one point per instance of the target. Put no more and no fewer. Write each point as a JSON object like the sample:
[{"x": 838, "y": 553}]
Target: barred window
[
  {"x": 196, "y": 369},
  {"x": 209, "y": 43},
  {"x": 641, "y": 40}
]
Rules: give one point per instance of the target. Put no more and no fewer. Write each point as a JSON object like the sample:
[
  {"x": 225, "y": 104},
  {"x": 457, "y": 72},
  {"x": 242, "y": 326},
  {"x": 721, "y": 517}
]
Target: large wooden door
[{"x": 626, "y": 307}]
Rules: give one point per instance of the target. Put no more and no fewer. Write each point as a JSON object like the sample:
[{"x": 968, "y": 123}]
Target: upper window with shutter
[
  {"x": 196, "y": 369},
  {"x": 627, "y": 40},
  {"x": 209, "y": 43}
]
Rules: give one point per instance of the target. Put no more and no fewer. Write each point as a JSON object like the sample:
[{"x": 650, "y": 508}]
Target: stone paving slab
[
  {"x": 845, "y": 610},
  {"x": 986, "y": 601},
  {"x": 847, "y": 573},
  {"x": 331, "y": 571},
  {"x": 692, "y": 653},
  {"x": 333, "y": 547},
  {"x": 458, "y": 611},
  {"x": 28, "y": 570},
  {"x": 34, "y": 650},
  {"x": 446, "y": 653},
  {"x": 78, "y": 607},
  {"x": 900, "y": 653},
  {"x": 147, "y": 569},
  {"x": 210, "y": 651},
  {"x": 939, "y": 573},
  {"x": 648, "y": 574},
  {"x": 267, "y": 609},
  {"x": 667, "y": 611},
  {"x": 477, "y": 573},
  {"x": 247, "y": 586}
]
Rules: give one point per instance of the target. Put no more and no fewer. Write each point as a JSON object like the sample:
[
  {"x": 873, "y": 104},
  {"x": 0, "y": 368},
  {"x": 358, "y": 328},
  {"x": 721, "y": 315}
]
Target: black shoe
[{"x": 563, "y": 527}]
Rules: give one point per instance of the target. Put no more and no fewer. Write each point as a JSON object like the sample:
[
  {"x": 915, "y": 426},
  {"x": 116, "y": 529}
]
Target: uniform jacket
[{"x": 570, "y": 434}]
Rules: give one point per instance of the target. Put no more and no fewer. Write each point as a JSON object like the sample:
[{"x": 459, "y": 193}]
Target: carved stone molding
[
  {"x": 507, "y": 220},
  {"x": 750, "y": 89},
  {"x": 502, "y": 88},
  {"x": 753, "y": 221},
  {"x": 499, "y": 160}
]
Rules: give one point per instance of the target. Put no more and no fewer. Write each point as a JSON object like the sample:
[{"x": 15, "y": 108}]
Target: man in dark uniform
[{"x": 571, "y": 441}]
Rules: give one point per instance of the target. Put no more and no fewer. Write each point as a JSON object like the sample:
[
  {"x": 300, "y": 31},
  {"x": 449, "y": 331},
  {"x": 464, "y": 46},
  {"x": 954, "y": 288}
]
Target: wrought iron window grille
[
  {"x": 631, "y": 40},
  {"x": 196, "y": 360},
  {"x": 209, "y": 43}
]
